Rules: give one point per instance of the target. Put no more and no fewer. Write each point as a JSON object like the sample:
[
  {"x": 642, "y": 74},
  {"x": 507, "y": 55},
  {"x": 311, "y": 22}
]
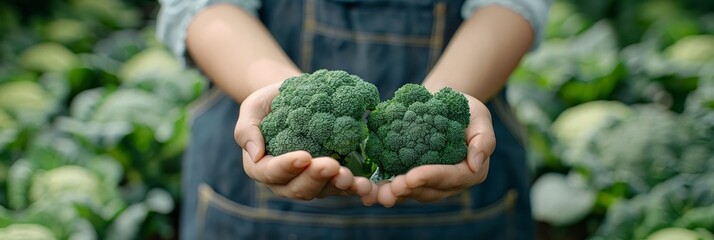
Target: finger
[
  {"x": 249, "y": 165},
  {"x": 480, "y": 136},
  {"x": 445, "y": 177},
  {"x": 386, "y": 197},
  {"x": 312, "y": 180},
  {"x": 343, "y": 180},
  {"x": 345, "y": 184},
  {"x": 426, "y": 194},
  {"x": 338, "y": 184},
  {"x": 366, "y": 189},
  {"x": 399, "y": 186},
  {"x": 328, "y": 191},
  {"x": 279, "y": 169},
  {"x": 252, "y": 111},
  {"x": 362, "y": 186}
]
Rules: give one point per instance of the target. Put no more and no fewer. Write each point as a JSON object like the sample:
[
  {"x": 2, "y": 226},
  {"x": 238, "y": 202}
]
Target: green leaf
[
  {"x": 82, "y": 229},
  {"x": 48, "y": 57},
  {"x": 19, "y": 180},
  {"x": 133, "y": 106},
  {"x": 176, "y": 143},
  {"x": 65, "y": 30},
  {"x": 20, "y": 231},
  {"x": 8, "y": 130},
  {"x": 70, "y": 182},
  {"x": 698, "y": 217},
  {"x": 564, "y": 20},
  {"x": 85, "y": 103},
  {"x": 179, "y": 88},
  {"x": 377, "y": 176},
  {"x": 576, "y": 127},
  {"x": 108, "y": 169},
  {"x": 6, "y": 217},
  {"x": 560, "y": 200},
  {"x": 28, "y": 102},
  {"x": 695, "y": 50},
  {"x": 111, "y": 13},
  {"x": 98, "y": 134},
  {"x": 128, "y": 224},
  {"x": 150, "y": 63},
  {"x": 159, "y": 200},
  {"x": 98, "y": 222},
  {"x": 120, "y": 45},
  {"x": 553, "y": 62},
  {"x": 664, "y": 206},
  {"x": 674, "y": 234},
  {"x": 643, "y": 162}
]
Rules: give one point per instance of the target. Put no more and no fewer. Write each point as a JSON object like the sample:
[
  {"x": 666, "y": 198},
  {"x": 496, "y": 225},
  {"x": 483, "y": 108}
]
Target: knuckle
[
  {"x": 290, "y": 193},
  {"x": 279, "y": 191},
  {"x": 238, "y": 133},
  {"x": 249, "y": 172},
  {"x": 270, "y": 177},
  {"x": 481, "y": 178},
  {"x": 300, "y": 193},
  {"x": 294, "y": 188},
  {"x": 303, "y": 196}
]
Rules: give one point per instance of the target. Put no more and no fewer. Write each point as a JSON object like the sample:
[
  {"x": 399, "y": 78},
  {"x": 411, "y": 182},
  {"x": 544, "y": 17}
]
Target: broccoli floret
[
  {"x": 322, "y": 113},
  {"x": 417, "y": 128}
]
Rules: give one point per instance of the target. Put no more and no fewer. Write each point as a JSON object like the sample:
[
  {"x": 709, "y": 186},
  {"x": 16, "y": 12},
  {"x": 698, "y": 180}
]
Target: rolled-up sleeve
[
  {"x": 175, "y": 15},
  {"x": 534, "y": 11}
]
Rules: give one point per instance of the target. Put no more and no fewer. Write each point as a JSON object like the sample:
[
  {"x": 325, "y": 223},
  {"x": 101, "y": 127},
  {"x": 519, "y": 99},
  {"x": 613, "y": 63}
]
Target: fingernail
[
  {"x": 252, "y": 150},
  {"x": 300, "y": 163},
  {"x": 478, "y": 161},
  {"x": 326, "y": 173}
]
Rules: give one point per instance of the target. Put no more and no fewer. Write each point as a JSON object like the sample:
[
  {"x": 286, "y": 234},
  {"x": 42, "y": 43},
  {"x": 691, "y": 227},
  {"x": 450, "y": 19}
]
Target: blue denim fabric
[{"x": 389, "y": 43}]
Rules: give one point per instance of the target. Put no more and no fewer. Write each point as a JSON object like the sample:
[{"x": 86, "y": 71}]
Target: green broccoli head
[
  {"x": 417, "y": 128},
  {"x": 322, "y": 113}
]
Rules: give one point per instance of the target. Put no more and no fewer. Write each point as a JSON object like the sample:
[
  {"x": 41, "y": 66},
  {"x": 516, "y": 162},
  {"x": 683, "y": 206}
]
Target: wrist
[
  {"x": 264, "y": 72},
  {"x": 434, "y": 85}
]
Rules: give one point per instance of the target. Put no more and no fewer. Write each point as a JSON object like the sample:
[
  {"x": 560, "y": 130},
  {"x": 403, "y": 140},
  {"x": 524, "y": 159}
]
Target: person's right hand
[{"x": 294, "y": 175}]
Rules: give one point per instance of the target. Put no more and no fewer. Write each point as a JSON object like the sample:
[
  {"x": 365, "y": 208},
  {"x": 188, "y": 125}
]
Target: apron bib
[{"x": 388, "y": 43}]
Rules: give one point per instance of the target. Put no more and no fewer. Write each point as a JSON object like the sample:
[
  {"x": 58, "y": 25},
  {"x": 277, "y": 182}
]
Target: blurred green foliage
[
  {"x": 619, "y": 105},
  {"x": 93, "y": 121}
]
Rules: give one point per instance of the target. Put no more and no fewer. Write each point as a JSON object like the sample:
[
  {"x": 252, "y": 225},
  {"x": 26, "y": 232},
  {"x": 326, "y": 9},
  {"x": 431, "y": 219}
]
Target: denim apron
[{"x": 389, "y": 43}]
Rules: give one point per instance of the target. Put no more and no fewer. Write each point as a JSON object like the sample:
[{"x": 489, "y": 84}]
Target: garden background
[{"x": 618, "y": 105}]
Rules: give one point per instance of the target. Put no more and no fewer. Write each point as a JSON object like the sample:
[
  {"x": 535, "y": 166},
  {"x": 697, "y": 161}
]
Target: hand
[
  {"x": 435, "y": 182},
  {"x": 296, "y": 174}
]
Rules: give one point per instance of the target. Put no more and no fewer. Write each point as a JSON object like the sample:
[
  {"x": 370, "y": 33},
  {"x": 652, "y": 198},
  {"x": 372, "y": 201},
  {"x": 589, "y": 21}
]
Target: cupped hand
[
  {"x": 294, "y": 175},
  {"x": 435, "y": 182}
]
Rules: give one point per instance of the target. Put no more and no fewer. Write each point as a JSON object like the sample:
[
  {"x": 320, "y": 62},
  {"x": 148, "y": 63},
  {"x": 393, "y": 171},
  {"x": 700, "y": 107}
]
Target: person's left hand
[{"x": 435, "y": 182}]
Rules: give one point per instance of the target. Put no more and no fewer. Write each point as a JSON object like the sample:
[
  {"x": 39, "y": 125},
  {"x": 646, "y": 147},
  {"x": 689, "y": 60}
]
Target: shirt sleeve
[
  {"x": 534, "y": 11},
  {"x": 175, "y": 15}
]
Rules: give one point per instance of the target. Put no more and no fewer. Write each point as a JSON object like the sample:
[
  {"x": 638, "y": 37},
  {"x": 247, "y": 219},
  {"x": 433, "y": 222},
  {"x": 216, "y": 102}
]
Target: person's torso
[{"x": 386, "y": 42}]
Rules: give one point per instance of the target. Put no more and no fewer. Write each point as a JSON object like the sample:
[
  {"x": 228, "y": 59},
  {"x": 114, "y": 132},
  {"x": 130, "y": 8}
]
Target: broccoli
[
  {"x": 417, "y": 128},
  {"x": 322, "y": 113}
]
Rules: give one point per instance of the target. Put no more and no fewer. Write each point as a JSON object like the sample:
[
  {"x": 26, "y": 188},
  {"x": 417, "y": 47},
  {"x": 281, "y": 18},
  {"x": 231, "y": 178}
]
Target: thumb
[
  {"x": 252, "y": 111},
  {"x": 480, "y": 135}
]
